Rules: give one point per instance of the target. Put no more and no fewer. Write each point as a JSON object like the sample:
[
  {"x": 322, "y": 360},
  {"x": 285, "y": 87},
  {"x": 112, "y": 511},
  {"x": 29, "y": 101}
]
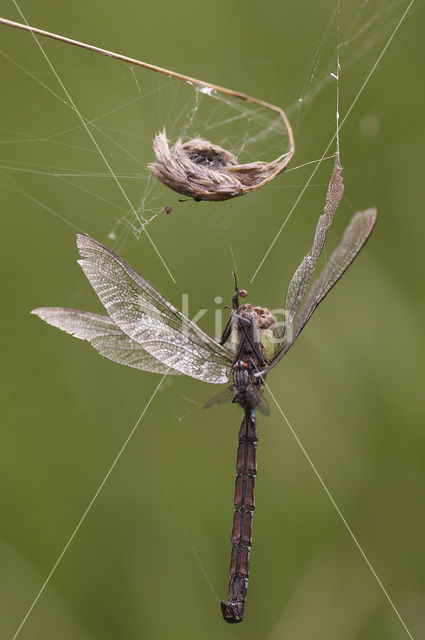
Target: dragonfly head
[
  {"x": 263, "y": 326},
  {"x": 259, "y": 315}
]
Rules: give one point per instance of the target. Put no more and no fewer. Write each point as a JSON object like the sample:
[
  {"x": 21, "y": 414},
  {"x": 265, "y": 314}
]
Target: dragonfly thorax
[
  {"x": 254, "y": 331},
  {"x": 241, "y": 376},
  {"x": 247, "y": 388}
]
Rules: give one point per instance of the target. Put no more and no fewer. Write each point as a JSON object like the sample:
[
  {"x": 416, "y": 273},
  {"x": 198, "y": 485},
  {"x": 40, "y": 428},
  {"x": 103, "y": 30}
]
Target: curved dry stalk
[{"x": 198, "y": 168}]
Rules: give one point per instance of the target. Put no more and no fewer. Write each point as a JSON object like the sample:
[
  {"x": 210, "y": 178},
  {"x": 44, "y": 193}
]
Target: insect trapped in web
[
  {"x": 173, "y": 135},
  {"x": 142, "y": 329},
  {"x": 198, "y": 168}
]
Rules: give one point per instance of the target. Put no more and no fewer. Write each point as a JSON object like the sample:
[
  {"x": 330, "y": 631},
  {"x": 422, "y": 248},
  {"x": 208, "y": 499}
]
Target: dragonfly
[{"x": 143, "y": 330}]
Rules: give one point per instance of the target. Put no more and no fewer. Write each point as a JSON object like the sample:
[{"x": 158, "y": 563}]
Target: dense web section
[
  {"x": 81, "y": 155},
  {"x": 123, "y": 109},
  {"x": 91, "y": 137}
]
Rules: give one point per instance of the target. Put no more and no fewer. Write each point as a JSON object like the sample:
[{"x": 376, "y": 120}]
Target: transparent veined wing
[
  {"x": 353, "y": 240},
  {"x": 104, "y": 335},
  {"x": 301, "y": 279},
  {"x": 143, "y": 313},
  {"x": 228, "y": 394}
]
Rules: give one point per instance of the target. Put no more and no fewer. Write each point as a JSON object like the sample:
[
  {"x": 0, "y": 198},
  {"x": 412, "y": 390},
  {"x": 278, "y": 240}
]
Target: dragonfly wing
[
  {"x": 105, "y": 337},
  {"x": 301, "y": 279},
  {"x": 262, "y": 405},
  {"x": 143, "y": 314},
  {"x": 224, "y": 396},
  {"x": 228, "y": 394},
  {"x": 353, "y": 240}
]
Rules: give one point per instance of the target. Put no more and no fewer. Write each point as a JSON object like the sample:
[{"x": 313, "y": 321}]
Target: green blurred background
[{"x": 151, "y": 558}]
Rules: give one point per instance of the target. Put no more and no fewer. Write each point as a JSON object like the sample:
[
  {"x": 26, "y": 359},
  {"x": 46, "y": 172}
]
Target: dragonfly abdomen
[{"x": 246, "y": 470}]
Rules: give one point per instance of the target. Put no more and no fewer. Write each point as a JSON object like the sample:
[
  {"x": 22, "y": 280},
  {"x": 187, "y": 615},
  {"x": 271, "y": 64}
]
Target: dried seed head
[{"x": 204, "y": 171}]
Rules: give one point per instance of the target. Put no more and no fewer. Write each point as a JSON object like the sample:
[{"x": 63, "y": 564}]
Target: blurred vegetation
[{"x": 352, "y": 388}]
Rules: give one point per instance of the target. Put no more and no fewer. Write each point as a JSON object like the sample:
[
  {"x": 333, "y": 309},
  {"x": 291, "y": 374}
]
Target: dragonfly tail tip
[{"x": 232, "y": 611}]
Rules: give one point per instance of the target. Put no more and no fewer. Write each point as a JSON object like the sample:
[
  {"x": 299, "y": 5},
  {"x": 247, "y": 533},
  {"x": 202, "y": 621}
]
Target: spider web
[
  {"x": 122, "y": 108},
  {"x": 46, "y": 148},
  {"x": 49, "y": 162}
]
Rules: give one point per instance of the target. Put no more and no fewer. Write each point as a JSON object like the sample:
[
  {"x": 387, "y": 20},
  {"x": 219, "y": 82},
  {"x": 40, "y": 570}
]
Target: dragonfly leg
[
  {"x": 227, "y": 331},
  {"x": 255, "y": 346},
  {"x": 239, "y": 293}
]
